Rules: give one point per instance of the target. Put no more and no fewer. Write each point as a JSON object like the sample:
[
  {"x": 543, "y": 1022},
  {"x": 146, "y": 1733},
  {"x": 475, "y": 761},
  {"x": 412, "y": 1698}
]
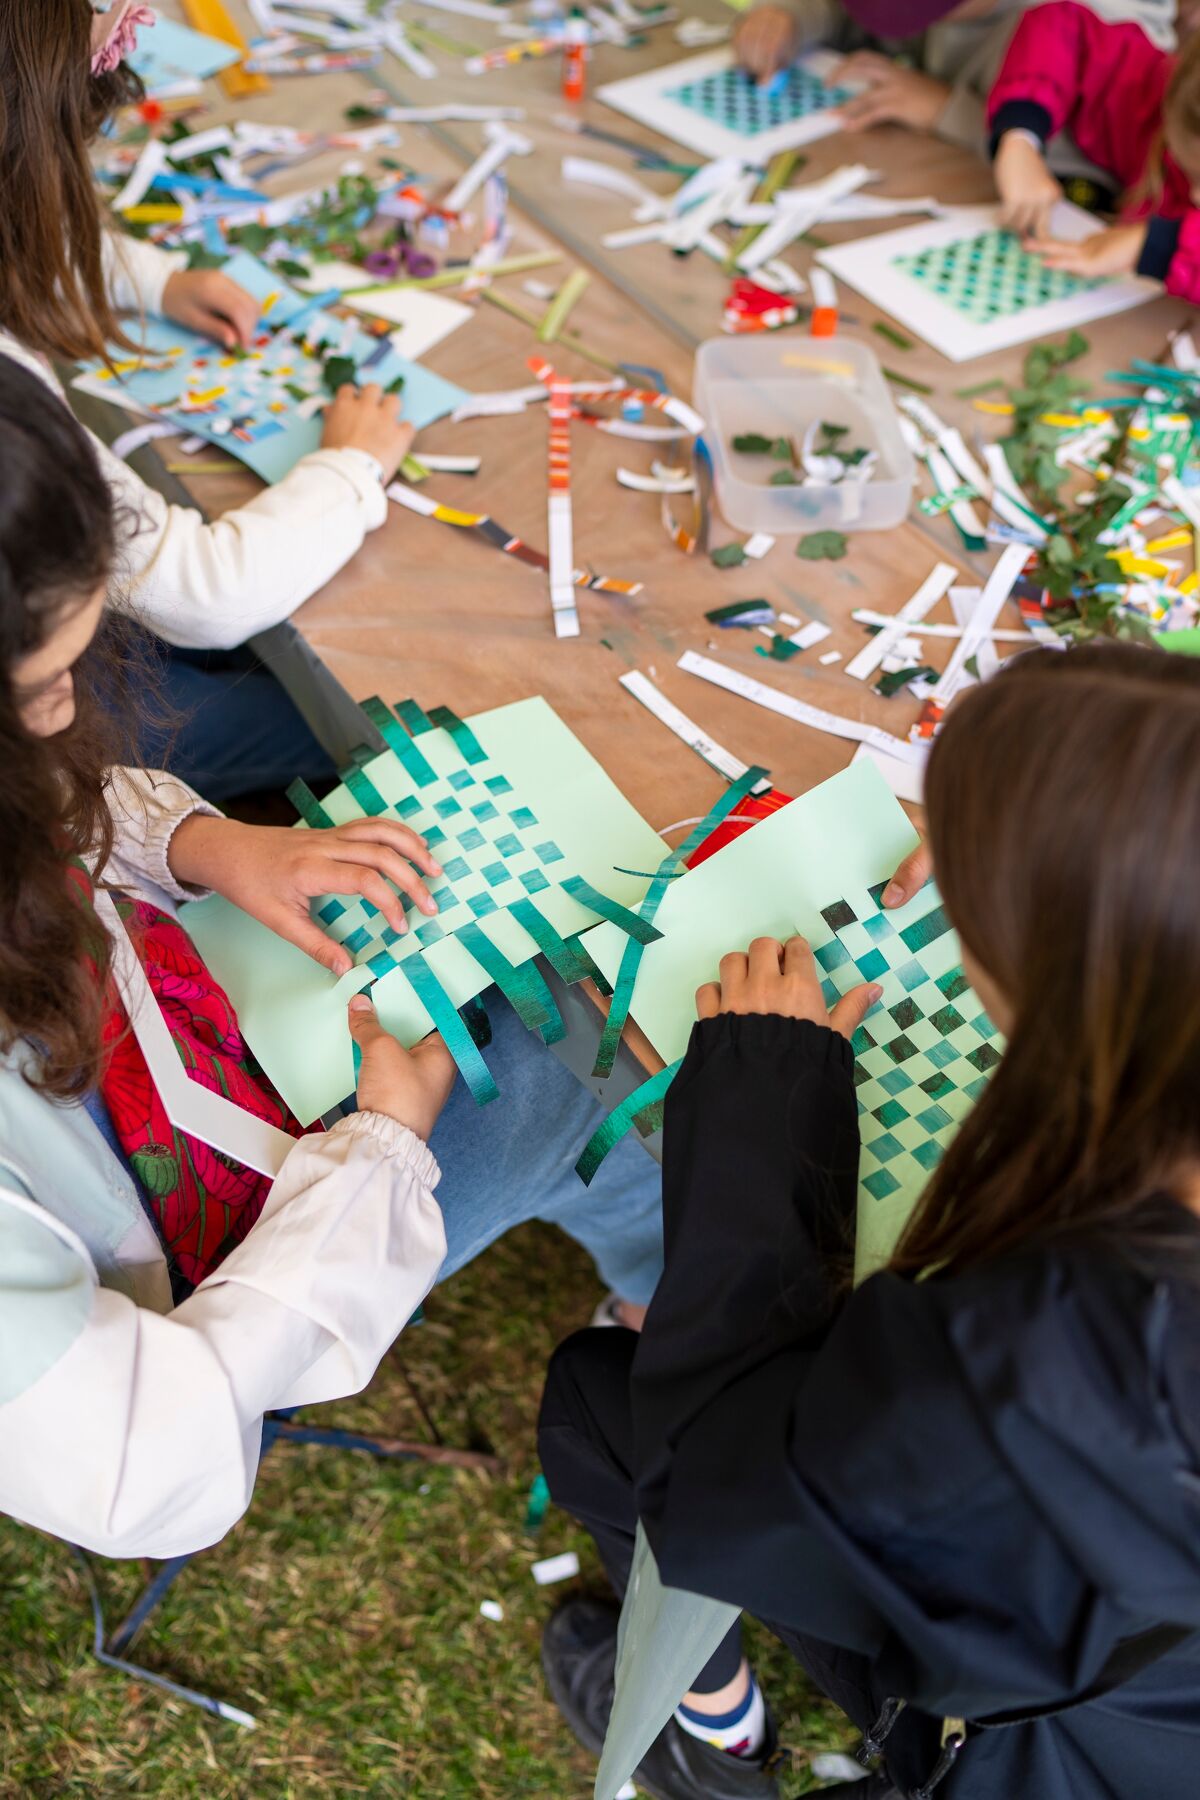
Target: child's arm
[
  {"x": 1034, "y": 98},
  {"x": 138, "y": 1434},
  {"x": 142, "y": 278},
  {"x": 772, "y": 35},
  {"x": 1166, "y": 250}
]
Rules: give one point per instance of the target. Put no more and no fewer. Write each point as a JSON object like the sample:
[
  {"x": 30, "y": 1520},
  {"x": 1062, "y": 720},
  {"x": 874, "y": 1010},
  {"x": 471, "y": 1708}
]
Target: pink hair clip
[{"x": 114, "y": 33}]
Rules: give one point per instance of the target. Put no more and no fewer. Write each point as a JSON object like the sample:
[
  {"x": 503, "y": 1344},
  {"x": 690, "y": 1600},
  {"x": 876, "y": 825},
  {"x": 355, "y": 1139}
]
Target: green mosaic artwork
[
  {"x": 734, "y": 99},
  {"x": 922, "y": 1056},
  {"x": 989, "y": 276}
]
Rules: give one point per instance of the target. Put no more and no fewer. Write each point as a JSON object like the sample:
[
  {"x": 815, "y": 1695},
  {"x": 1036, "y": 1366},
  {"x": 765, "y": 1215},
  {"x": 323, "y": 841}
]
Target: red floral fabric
[{"x": 204, "y": 1202}]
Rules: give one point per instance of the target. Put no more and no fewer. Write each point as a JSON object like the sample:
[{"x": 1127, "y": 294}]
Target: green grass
[{"x": 344, "y": 1610}]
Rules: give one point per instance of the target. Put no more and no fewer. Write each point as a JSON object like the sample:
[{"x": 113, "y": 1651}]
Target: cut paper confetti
[
  {"x": 422, "y": 319},
  {"x": 263, "y": 406},
  {"x": 533, "y": 839},
  {"x": 968, "y": 288},
  {"x": 714, "y": 107}
]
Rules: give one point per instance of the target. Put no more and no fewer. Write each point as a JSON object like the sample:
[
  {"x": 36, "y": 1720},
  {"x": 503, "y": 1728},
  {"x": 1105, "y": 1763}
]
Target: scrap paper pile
[
  {"x": 263, "y": 405},
  {"x": 1104, "y": 495},
  {"x": 821, "y": 459},
  {"x": 817, "y": 866},
  {"x": 536, "y": 845}
]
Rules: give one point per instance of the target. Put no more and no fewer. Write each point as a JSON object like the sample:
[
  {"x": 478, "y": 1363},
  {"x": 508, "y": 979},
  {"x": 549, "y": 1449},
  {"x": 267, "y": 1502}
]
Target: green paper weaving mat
[
  {"x": 922, "y": 1057},
  {"x": 989, "y": 276},
  {"x": 536, "y": 812}
]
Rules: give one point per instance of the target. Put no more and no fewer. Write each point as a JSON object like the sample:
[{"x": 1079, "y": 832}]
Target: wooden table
[{"x": 429, "y": 611}]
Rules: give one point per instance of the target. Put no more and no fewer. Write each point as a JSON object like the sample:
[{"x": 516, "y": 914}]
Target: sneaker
[{"x": 579, "y": 1656}]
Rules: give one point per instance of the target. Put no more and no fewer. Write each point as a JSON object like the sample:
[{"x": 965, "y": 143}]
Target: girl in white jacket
[
  {"x": 64, "y": 279},
  {"x": 157, "y": 1297}
]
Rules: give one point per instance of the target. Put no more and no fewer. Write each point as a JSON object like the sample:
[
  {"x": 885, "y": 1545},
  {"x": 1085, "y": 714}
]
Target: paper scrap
[{"x": 555, "y": 1568}]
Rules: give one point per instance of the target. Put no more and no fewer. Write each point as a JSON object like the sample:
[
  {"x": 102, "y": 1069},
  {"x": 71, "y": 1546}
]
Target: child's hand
[
  {"x": 1116, "y": 251},
  {"x": 368, "y": 419},
  {"x": 1028, "y": 191},
  {"x": 272, "y": 873},
  {"x": 892, "y": 95},
  {"x": 208, "y": 302},
  {"x": 911, "y": 876},
  {"x": 781, "y": 979},
  {"x": 410, "y": 1086},
  {"x": 766, "y": 40}
]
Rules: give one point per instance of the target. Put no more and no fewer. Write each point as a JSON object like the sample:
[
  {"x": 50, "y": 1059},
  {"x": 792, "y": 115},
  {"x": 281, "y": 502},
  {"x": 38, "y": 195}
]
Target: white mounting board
[
  {"x": 869, "y": 266},
  {"x": 646, "y": 99}
]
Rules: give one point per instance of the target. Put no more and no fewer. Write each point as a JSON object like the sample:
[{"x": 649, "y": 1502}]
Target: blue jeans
[
  {"x": 238, "y": 731},
  {"x": 514, "y": 1159}
]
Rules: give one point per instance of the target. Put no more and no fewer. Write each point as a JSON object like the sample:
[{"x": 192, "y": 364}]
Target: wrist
[
  {"x": 195, "y": 853},
  {"x": 372, "y": 463}
]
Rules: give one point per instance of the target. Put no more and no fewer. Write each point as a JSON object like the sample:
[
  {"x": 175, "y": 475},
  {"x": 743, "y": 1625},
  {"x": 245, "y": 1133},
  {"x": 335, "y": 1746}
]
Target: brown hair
[
  {"x": 52, "y": 292},
  {"x": 1064, "y": 816},
  {"x": 57, "y": 539}
]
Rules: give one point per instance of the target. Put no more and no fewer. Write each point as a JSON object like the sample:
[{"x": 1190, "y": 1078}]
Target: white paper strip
[
  {"x": 723, "y": 761},
  {"x": 193, "y": 1109},
  {"x": 996, "y": 590},
  {"x": 814, "y": 716},
  {"x": 502, "y": 143},
  {"x": 1007, "y": 499},
  {"x": 124, "y": 446},
  {"x": 151, "y": 162},
  {"x": 923, "y": 601}
]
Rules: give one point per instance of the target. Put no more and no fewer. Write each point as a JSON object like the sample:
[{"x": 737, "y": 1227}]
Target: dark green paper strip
[
  {"x": 609, "y": 909},
  {"x": 456, "y": 1037},
  {"x": 398, "y": 740},
  {"x": 308, "y": 806},
  {"x": 470, "y": 749},
  {"x": 566, "y": 956},
  {"x": 413, "y": 717},
  {"x": 609, "y": 1134},
  {"x": 521, "y": 984},
  {"x": 631, "y": 956},
  {"x": 363, "y": 790}
]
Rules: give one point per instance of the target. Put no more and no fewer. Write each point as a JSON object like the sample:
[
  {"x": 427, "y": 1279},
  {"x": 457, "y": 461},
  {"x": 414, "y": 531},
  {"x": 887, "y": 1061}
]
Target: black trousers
[{"x": 585, "y": 1439}]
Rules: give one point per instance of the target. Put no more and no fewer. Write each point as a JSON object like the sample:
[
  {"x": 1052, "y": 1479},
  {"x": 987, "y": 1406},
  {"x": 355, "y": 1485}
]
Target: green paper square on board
[
  {"x": 460, "y": 779},
  {"x": 872, "y": 966},
  {"x": 880, "y": 1184},
  {"x": 471, "y": 839},
  {"x": 548, "y": 852},
  {"x": 533, "y": 881},
  {"x": 522, "y": 818},
  {"x": 831, "y": 956},
  {"x": 495, "y": 874},
  {"x": 484, "y": 811},
  {"x": 481, "y": 905}
]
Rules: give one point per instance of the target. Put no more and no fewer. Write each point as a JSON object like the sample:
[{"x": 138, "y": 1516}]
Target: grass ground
[{"x": 344, "y": 1610}]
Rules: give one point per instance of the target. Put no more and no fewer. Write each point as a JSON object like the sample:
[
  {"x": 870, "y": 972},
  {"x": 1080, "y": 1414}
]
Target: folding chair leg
[
  {"x": 104, "y": 1653},
  {"x": 403, "y": 1449}
]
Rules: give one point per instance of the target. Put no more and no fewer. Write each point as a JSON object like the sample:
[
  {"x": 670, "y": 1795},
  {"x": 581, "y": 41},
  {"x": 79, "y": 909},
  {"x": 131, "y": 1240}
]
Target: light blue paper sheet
[{"x": 168, "y": 53}]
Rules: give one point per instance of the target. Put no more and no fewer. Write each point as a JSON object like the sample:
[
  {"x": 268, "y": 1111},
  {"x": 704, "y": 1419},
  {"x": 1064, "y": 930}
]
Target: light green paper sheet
[
  {"x": 845, "y": 835},
  {"x": 293, "y": 1013},
  {"x": 833, "y": 845},
  {"x": 1186, "y": 641}
]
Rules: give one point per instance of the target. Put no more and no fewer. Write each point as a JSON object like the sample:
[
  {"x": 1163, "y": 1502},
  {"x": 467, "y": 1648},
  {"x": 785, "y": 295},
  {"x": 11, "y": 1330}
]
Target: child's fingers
[
  {"x": 365, "y": 1028},
  {"x": 853, "y": 1008},
  {"x": 860, "y": 65},
  {"x": 877, "y": 106},
  {"x": 242, "y": 311},
  {"x": 383, "y": 861},
  {"x": 294, "y": 924},
  {"x": 402, "y": 838},
  {"x": 708, "y": 1000},
  {"x": 910, "y": 877}
]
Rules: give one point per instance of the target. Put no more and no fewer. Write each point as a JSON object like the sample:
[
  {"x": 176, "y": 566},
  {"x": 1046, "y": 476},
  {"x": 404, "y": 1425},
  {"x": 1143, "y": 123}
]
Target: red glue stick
[{"x": 575, "y": 50}]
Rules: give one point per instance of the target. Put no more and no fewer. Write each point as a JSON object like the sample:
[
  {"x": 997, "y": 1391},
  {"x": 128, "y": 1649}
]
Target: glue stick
[{"x": 575, "y": 49}]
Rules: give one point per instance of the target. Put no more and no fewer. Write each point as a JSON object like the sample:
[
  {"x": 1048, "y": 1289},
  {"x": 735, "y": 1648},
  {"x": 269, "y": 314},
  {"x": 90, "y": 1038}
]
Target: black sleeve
[
  {"x": 1019, "y": 115},
  {"x": 760, "y": 1181},
  {"x": 1162, "y": 241}
]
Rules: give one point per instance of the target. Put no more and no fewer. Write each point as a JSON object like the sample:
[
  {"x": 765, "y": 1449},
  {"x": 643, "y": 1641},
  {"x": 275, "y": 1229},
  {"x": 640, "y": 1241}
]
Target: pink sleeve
[
  {"x": 1183, "y": 271},
  {"x": 1045, "y": 64}
]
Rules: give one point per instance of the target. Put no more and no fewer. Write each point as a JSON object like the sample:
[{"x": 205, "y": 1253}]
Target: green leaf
[
  {"x": 822, "y": 546},
  {"x": 753, "y": 443},
  {"x": 728, "y": 556}
]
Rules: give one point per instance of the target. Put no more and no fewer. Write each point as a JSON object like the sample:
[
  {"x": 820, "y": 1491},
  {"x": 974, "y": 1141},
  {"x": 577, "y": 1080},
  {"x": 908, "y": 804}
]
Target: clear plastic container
[{"x": 777, "y": 384}]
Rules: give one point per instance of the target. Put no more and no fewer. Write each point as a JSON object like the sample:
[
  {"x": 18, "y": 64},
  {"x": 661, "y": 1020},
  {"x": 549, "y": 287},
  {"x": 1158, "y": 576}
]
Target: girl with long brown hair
[
  {"x": 70, "y": 286},
  {"x": 967, "y": 1494},
  {"x": 157, "y": 1294}
]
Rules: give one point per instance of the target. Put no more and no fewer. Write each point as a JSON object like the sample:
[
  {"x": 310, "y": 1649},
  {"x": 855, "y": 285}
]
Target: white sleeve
[
  {"x": 147, "y": 806},
  {"x": 142, "y": 1437},
  {"x": 136, "y": 272},
  {"x": 211, "y": 586}
]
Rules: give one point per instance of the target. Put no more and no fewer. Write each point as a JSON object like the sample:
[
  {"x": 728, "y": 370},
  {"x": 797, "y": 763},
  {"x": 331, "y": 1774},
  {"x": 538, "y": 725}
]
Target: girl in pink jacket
[{"x": 1134, "y": 111}]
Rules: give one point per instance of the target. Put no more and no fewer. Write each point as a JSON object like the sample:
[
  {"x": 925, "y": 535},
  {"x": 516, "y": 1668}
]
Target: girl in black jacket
[{"x": 966, "y": 1495}]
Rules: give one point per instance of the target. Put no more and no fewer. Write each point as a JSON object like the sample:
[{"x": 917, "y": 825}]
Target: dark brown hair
[
  {"x": 52, "y": 291},
  {"x": 1179, "y": 126},
  {"x": 1064, "y": 817},
  {"x": 57, "y": 542}
]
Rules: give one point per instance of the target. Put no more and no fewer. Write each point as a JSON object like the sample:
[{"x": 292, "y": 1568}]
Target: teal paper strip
[
  {"x": 363, "y": 790},
  {"x": 609, "y": 909},
  {"x": 455, "y": 1036},
  {"x": 566, "y": 956},
  {"x": 398, "y": 740},
  {"x": 308, "y": 806},
  {"x": 523, "y": 986},
  {"x": 669, "y": 869},
  {"x": 414, "y": 718},
  {"x": 618, "y": 1122},
  {"x": 471, "y": 750}
]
